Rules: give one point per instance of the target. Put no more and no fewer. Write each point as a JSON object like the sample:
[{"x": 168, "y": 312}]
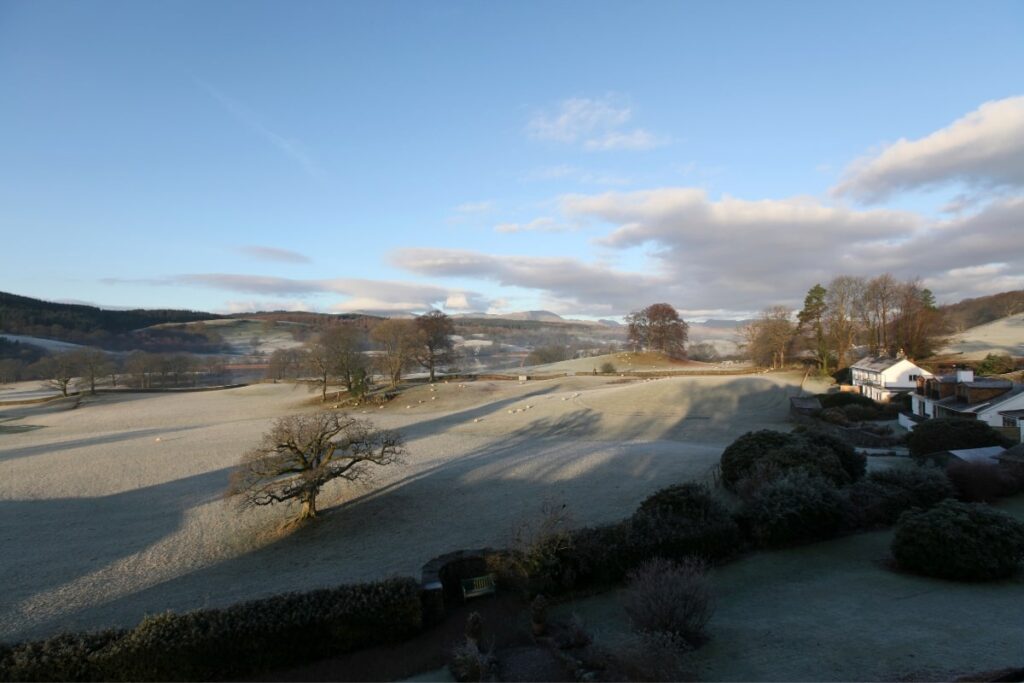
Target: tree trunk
[{"x": 308, "y": 507}]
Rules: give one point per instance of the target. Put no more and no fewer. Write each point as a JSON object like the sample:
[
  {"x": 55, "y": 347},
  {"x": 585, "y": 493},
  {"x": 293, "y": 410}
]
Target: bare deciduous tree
[
  {"x": 302, "y": 453},
  {"x": 768, "y": 338},
  {"x": 841, "y": 314},
  {"x": 92, "y": 364},
  {"x": 399, "y": 340},
  {"x": 59, "y": 370},
  {"x": 436, "y": 329}
]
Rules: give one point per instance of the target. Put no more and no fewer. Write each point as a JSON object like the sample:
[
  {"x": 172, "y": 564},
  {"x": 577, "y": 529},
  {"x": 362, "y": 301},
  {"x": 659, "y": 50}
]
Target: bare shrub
[
  {"x": 540, "y": 560},
  {"x": 470, "y": 663},
  {"x": 657, "y": 656},
  {"x": 669, "y": 597}
]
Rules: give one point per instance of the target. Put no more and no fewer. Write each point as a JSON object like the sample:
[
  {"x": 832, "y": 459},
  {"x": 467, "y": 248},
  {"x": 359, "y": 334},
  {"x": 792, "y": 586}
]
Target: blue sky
[{"x": 588, "y": 158}]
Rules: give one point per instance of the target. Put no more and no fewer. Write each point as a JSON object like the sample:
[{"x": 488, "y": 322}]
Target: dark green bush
[
  {"x": 872, "y": 504},
  {"x": 858, "y": 413},
  {"x": 834, "y": 416},
  {"x": 65, "y": 657},
  {"x": 951, "y": 433},
  {"x": 961, "y": 541},
  {"x": 796, "y": 508},
  {"x": 601, "y": 554},
  {"x": 853, "y": 463},
  {"x": 224, "y": 643},
  {"x": 760, "y": 457},
  {"x": 739, "y": 458},
  {"x": 923, "y": 486},
  {"x": 996, "y": 364},
  {"x": 680, "y": 521}
]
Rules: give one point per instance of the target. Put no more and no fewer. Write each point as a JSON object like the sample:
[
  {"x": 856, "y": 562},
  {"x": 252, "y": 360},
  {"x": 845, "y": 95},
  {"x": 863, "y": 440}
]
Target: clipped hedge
[
  {"x": 681, "y": 521},
  {"x": 797, "y": 508},
  {"x": 959, "y": 541},
  {"x": 215, "y": 644}
]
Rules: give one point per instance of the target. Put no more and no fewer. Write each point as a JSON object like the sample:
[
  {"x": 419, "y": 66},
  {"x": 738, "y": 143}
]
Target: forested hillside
[
  {"x": 985, "y": 309},
  {"x": 98, "y": 327}
]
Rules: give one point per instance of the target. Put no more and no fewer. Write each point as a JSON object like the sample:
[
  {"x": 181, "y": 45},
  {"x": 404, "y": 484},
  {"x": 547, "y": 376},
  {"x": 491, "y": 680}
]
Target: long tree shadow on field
[
  {"x": 472, "y": 500},
  {"x": 52, "y": 542}
]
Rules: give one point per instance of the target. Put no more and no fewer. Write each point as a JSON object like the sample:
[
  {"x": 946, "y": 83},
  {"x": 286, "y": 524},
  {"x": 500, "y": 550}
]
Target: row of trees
[
  {"x": 87, "y": 368},
  {"x": 882, "y": 313},
  {"x": 349, "y": 354}
]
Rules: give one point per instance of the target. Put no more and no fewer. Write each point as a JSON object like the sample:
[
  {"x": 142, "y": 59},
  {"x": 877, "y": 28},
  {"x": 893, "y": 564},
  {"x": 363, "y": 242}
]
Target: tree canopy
[
  {"x": 302, "y": 453},
  {"x": 659, "y": 327}
]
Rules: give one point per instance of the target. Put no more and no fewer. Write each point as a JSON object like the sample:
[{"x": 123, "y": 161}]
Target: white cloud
[
  {"x": 984, "y": 149},
  {"x": 567, "y": 284},
  {"x": 597, "y": 124},
  {"x": 544, "y": 224},
  {"x": 274, "y": 254},
  {"x": 637, "y": 140},
  {"x": 485, "y": 206},
  {"x": 575, "y": 174},
  {"x": 381, "y": 295}
]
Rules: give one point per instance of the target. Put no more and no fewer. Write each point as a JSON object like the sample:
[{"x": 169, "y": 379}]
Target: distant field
[
  {"x": 1002, "y": 336},
  {"x": 629, "y": 362},
  {"x": 115, "y": 507}
]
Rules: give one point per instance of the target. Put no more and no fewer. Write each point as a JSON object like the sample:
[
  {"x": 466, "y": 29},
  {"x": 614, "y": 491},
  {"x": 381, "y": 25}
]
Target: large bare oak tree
[{"x": 302, "y": 453}]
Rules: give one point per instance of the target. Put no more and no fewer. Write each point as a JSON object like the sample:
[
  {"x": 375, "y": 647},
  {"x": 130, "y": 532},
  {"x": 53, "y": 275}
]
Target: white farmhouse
[{"x": 881, "y": 379}]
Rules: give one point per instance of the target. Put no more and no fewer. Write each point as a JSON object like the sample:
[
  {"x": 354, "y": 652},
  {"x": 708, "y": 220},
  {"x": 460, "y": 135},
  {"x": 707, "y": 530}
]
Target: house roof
[
  {"x": 954, "y": 403},
  {"x": 985, "y": 454},
  {"x": 1012, "y": 413},
  {"x": 881, "y": 363},
  {"x": 1014, "y": 454}
]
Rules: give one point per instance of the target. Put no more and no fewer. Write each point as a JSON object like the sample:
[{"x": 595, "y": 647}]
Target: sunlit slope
[{"x": 1005, "y": 335}]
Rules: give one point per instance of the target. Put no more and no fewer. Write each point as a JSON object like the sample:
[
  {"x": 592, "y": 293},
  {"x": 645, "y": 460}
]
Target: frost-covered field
[
  {"x": 1005, "y": 335},
  {"x": 114, "y": 509}
]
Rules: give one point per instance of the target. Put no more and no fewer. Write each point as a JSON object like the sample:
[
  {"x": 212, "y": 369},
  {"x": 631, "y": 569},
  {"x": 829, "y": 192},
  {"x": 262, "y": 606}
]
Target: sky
[{"x": 587, "y": 158}]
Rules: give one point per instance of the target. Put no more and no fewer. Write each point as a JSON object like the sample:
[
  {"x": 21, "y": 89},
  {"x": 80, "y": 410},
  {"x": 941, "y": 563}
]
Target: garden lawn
[{"x": 836, "y": 611}]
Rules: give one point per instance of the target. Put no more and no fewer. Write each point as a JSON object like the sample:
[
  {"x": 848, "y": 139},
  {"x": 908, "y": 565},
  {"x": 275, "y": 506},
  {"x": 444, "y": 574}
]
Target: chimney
[{"x": 964, "y": 375}]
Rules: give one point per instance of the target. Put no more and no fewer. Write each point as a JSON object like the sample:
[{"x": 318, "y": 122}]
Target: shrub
[
  {"x": 469, "y": 663},
  {"x": 852, "y": 462},
  {"x": 796, "y": 508},
  {"x": 951, "y": 433},
  {"x": 872, "y": 504},
  {"x": 834, "y": 416},
  {"x": 542, "y": 554},
  {"x": 655, "y": 656},
  {"x": 608, "y": 368},
  {"x": 996, "y": 364},
  {"x": 923, "y": 486},
  {"x": 683, "y": 520},
  {"x": 858, "y": 413},
  {"x": 65, "y": 657},
  {"x": 602, "y": 555},
  {"x": 961, "y": 541},
  {"x": 760, "y": 457},
  {"x": 981, "y": 482},
  {"x": 264, "y": 634},
  {"x": 666, "y": 597},
  {"x": 739, "y": 457}
]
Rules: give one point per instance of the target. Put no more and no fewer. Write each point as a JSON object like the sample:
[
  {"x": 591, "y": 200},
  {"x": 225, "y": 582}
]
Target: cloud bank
[{"x": 983, "y": 149}]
